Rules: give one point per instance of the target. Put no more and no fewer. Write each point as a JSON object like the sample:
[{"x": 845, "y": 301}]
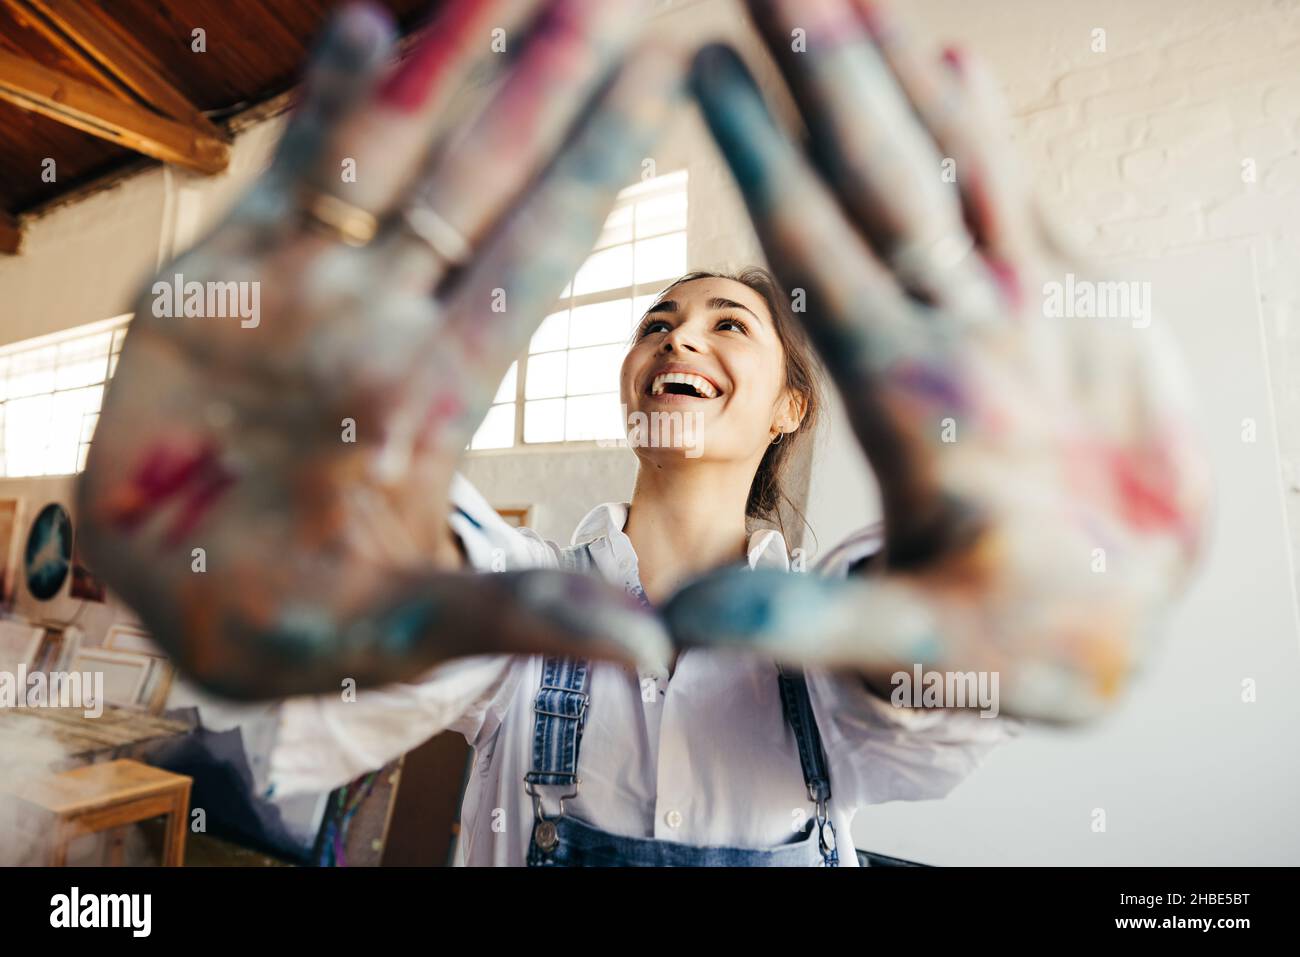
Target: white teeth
[{"x": 699, "y": 383}]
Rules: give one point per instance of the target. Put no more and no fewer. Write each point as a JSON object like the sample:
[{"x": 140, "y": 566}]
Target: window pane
[
  {"x": 595, "y": 370},
  {"x": 83, "y": 361},
  {"x": 661, "y": 214},
  {"x": 497, "y": 430},
  {"x": 666, "y": 181},
  {"x": 49, "y": 401},
  {"x": 31, "y": 372},
  {"x": 592, "y": 417},
  {"x": 617, "y": 228},
  {"x": 552, "y": 334},
  {"x": 68, "y": 414},
  {"x": 545, "y": 375},
  {"x": 544, "y": 421},
  {"x": 607, "y": 269},
  {"x": 509, "y": 385},
  {"x": 661, "y": 258},
  {"x": 88, "y": 424},
  {"x": 600, "y": 322},
  {"x": 27, "y": 424}
]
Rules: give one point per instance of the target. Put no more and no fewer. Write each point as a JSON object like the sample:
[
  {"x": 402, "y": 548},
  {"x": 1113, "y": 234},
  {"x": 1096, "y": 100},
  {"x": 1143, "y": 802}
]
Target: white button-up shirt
[{"x": 703, "y": 757}]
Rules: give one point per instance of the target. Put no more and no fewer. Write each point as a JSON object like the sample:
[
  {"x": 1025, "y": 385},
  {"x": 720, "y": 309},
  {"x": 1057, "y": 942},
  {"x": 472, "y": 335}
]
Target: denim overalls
[{"x": 562, "y": 841}]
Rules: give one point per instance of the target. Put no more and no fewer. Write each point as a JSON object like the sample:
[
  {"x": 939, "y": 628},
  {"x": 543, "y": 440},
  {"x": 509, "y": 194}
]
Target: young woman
[
  {"x": 1042, "y": 498},
  {"x": 706, "y": 757}
]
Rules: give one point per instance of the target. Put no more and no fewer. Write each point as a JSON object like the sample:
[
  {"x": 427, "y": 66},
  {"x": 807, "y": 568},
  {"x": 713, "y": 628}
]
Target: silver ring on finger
[
  {"x": 928, "y": 264},
  {"x": 448, "y": 245},
  {"x": 943, "y": 269},
  {"x": 337, "y": 218}
]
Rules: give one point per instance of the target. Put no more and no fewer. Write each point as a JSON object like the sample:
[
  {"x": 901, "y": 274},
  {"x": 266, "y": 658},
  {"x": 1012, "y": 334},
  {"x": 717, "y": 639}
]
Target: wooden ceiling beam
[
  {"x": 120, "y": 59},
  {"x": 11, "y": 234},
  {"x": 33, "y": 21},
  {"x": 48, "y": 92}
]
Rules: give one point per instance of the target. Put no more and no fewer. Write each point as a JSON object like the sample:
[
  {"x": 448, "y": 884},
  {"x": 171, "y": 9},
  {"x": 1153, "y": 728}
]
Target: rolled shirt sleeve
[
  {"x": 880, "y": 752},
  {"x": 322, "y": 741}
]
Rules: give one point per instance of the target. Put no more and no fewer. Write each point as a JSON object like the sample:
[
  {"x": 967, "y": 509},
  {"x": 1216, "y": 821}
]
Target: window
[
  {"x": 50, "y": 392},
  {"x": 566, "y": 385}
]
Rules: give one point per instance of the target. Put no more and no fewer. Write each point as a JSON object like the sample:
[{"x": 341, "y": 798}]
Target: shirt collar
[{"x": 766, "y": 549}]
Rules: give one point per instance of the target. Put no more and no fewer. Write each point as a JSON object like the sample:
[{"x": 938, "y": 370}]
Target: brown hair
[{"x": 801, "y": 376}]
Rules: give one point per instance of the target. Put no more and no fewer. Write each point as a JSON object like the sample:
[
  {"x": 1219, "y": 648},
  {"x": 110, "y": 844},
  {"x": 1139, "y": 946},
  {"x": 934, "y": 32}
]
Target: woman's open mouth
[{"x": 682, "y": 384}]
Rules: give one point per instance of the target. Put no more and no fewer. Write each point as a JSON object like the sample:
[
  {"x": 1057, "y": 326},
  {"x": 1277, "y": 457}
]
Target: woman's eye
[
  {"x": 650, "y": 327},
  {"x": 734, "y": 322}
]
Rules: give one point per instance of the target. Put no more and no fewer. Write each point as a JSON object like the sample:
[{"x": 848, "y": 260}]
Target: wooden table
[
  {"x": 104, "y": 789},
  {"x": 106, "y": 797},
  {"x": 60, "y": 738}
]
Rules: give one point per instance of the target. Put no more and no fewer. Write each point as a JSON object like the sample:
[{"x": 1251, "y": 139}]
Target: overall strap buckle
[
  {"x": 559, "y": 716},
  {"x": 797, "y": 708}
]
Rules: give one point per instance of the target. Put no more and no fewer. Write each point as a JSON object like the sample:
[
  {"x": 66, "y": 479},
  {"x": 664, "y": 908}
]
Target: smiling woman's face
[{"x": 709, "y": 346}]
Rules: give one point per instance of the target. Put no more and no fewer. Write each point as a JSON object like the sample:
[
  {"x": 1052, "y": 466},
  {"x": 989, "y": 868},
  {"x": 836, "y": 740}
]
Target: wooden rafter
[
  {"x": 119, "y": 59},
  {"x": 33, "y": 21},
  {"x": 42, "y": 90}
]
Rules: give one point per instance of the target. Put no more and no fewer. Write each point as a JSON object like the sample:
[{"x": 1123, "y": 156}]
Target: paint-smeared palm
[
  {"x": 308, "y": 449},
  {"x": 1043, "y": 497}
]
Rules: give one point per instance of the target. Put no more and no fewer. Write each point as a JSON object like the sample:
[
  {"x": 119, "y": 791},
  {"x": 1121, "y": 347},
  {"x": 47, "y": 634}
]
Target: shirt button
[{"x": 673, "y": 819}]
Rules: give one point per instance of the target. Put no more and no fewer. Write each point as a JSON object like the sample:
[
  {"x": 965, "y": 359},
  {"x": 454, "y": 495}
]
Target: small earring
[{"x": 779, "y": 437}]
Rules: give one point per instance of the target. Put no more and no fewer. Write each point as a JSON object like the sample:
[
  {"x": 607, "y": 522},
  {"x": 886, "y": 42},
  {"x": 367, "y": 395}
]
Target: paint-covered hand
[
  {"x": 268, "y": 484},
  {"x": 1043, "y": 496}
]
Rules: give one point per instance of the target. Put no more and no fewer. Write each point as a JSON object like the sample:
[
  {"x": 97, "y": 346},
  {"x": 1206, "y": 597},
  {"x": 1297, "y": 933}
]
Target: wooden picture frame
[
  {"x": 158, "y": 681},
  {"x": 518, "y": 517},
  {"x": 20, "y": 643},
  {"x": 130, "y": 638},
  {"x": 51, "y": 653},
  {"x": 11, "y": 525},
  {"x": 125, "y": 673}
]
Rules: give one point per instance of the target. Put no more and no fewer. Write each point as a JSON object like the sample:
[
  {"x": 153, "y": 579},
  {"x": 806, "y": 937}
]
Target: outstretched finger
[
  {"x": 482, "y": 169},
  {"x": 881, "y": 162},
  {"x": 957, "y": 100},
  {"x": 364, "y": 126},
  {"x": 888, "y": 363},
  {"x": 495, "y": 305},
  {"x": 883, "y": 627}
]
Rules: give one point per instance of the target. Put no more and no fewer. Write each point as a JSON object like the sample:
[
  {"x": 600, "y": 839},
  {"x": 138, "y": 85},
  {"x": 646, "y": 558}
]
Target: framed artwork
[
  {"x": 51, "y": 653},
  {"x": 131, "y": 638},
  {"x": 84, "y": 584},
  {"x": 20, "y": 644},
  {"x": 157, "y": 686},
  {"x": 125, "y": 673},
  {"x": 11, "y": 515},
  {"x": 48, "y": 556},
  {"x": 518, "y": 517},
  {"x": 158, "y": 680}
]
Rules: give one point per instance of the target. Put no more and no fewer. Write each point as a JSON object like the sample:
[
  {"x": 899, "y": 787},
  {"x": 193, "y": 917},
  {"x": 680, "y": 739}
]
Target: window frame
[
  {"x": 638, "y": 193},
  {"x": 116, "y": 327}
]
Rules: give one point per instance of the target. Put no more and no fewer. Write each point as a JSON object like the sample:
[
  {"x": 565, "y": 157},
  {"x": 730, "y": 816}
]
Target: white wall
[{"x": 1140, "y": 151}]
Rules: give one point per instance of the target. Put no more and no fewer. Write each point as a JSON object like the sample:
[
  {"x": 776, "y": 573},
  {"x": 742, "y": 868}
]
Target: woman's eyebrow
[
  {"x": 663, "y": 305},
  {"x": 718, "y": 303}
]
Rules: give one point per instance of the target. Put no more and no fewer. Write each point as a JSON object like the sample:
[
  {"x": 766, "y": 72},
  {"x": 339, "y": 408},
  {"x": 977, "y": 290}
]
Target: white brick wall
[{"x": 1140, "y": 148}]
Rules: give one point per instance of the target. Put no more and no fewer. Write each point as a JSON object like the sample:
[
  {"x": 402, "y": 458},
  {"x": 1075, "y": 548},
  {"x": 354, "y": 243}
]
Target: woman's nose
[{"x": 680, "y": 339}]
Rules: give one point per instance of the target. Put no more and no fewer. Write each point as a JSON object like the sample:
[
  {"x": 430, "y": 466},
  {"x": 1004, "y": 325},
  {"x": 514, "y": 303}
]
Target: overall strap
[
  {"x": 560, "y": 711},
  {"x": 560, "y": 708},
  {"x": 797, "y": 707}
]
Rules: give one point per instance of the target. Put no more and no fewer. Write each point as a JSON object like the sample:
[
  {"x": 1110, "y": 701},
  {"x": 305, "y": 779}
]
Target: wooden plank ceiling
[{"x": 101, "y": 87}]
